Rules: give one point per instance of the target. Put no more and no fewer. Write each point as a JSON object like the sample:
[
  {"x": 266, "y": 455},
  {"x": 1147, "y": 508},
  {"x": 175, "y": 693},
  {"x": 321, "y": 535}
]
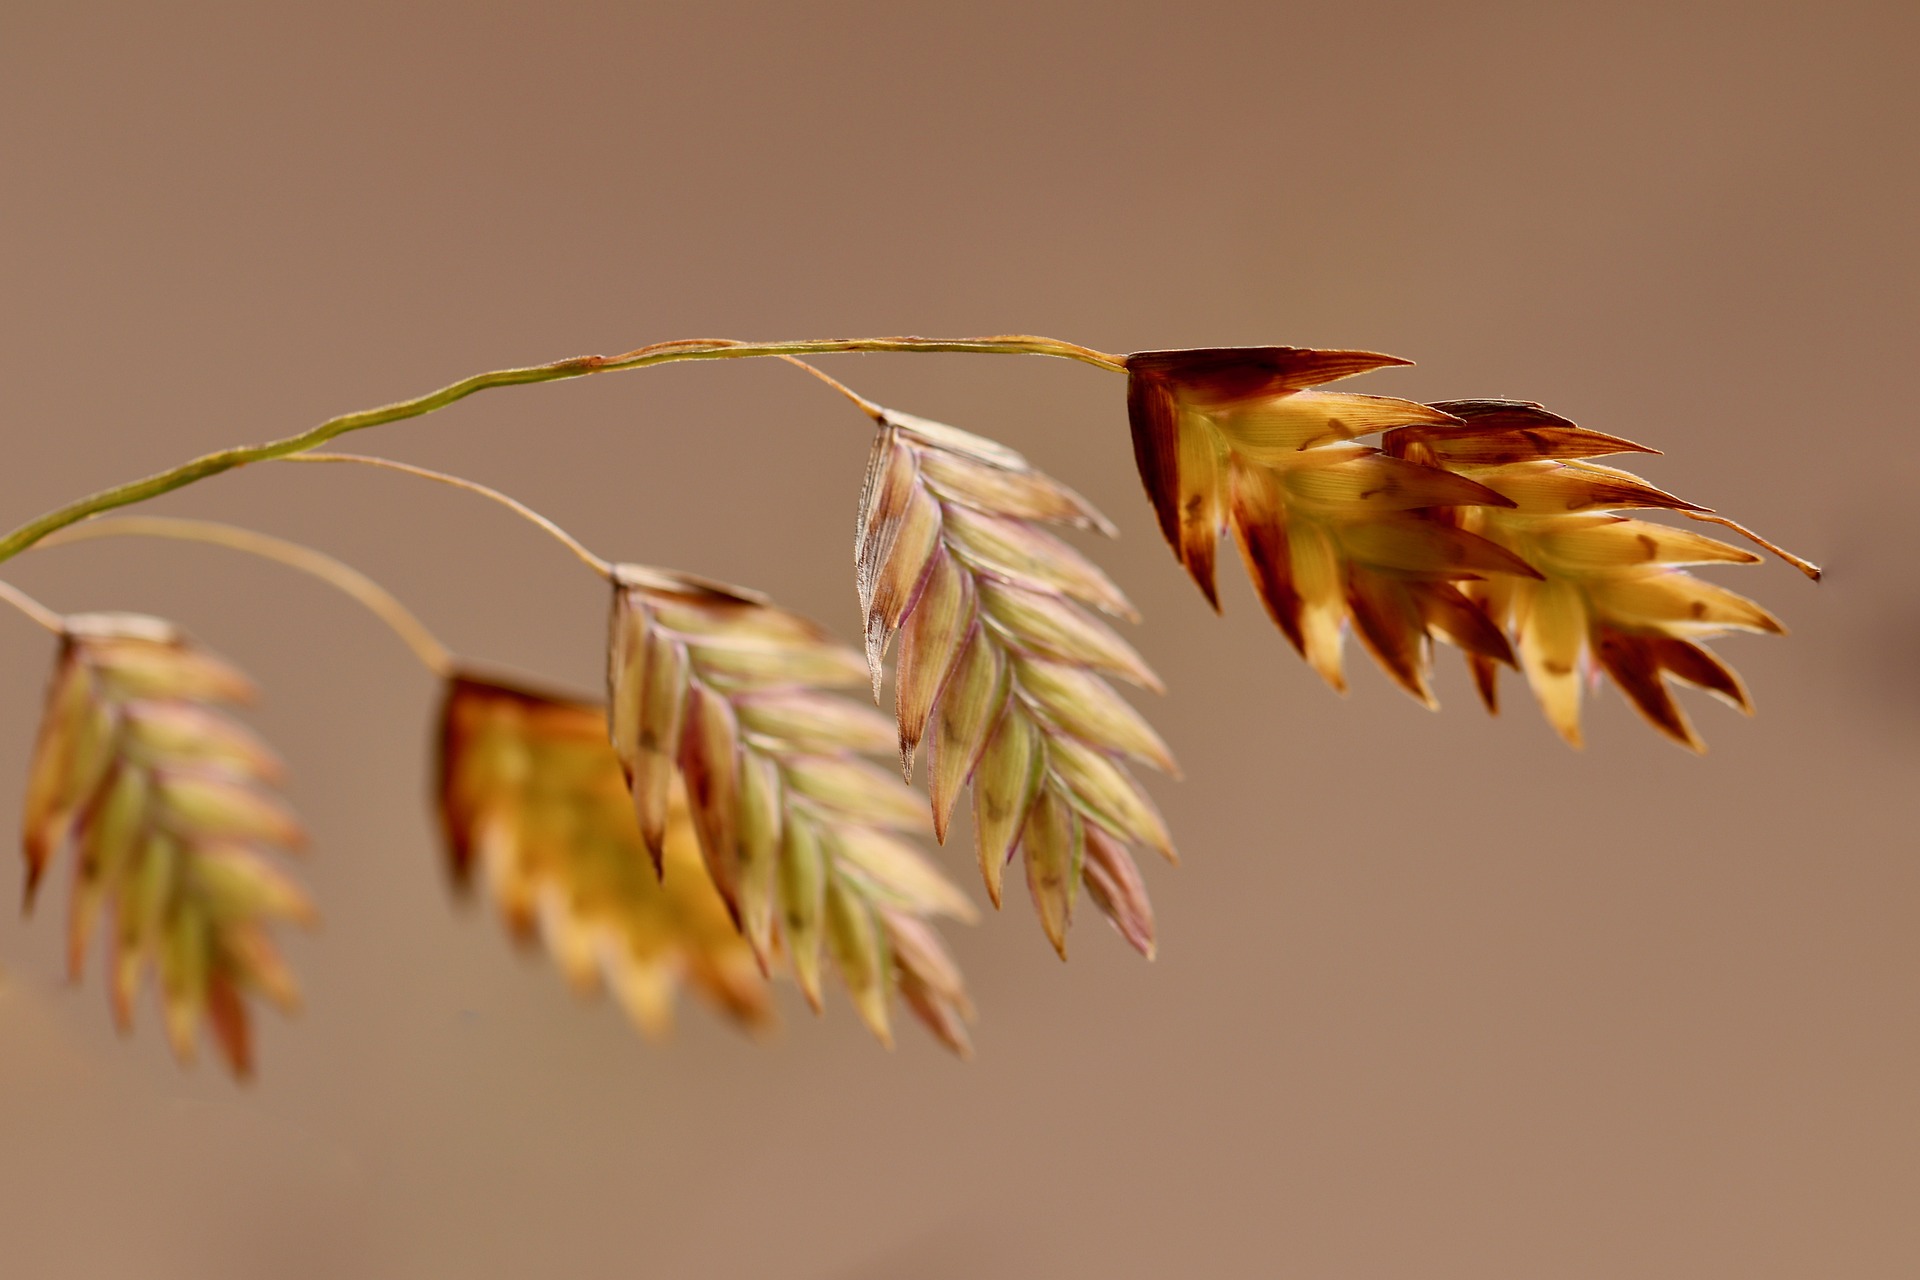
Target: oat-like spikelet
[
  {"x": 1330, "y": 530},
  {"x": 533, "y": 802},
  {"x": 163, "y": 799},
  {"x": 805, "y": 839},
  {"x": 1610, "y": 591},
  {"x": 1001, "y": 670}
]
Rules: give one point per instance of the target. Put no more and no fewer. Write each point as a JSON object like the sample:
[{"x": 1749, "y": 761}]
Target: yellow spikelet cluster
[
  {"x": 162, "y": 797},
  {"x": 1330, "y": 530},
  {"x": 804, "y": 838},
  {"x": 1001, "y": 669},
  {"x": 1610, "y": 593},
  {"x": 1484, "y": 523},
  {"x": 533, "y": 803}
]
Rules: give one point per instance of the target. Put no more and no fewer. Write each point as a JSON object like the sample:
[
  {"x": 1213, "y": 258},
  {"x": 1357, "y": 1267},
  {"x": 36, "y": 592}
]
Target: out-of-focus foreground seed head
[
  {"x": 532, "y": 802},
  {"x": 162, "y": 797}
]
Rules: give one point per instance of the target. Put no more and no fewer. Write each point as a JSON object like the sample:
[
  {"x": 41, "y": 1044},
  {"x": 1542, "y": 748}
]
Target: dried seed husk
[
  {"x": 860, "y": 953},
  {"x": 163, "y": 799},
  {"x": 1055, "y": 844},
  {"x": 1114, "y": 886},
  {"x": 1610, "y": 597},
  {"x": 782, "y": 798},
  {"x": 1331, "y": 532},
  {"x": 535, "y": 804},
  {"x": 971, "y": 700},
  {"x": 929, "y": 982},
  {"x": 803, "y": 887},
  {"x": 1009, "y": 776},
  {"x": 1000, "y": 665}
]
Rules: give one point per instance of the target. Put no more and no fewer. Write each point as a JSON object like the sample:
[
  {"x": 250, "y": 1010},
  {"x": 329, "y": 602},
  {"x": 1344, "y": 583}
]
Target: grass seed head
[
  {"x": 1002, "y": 667},
  {"x": 164, "y": 800},
  {"x": 1332, "y": 533},
  {"x": 1611, "y": 594},
  {"x": 804, "y": 837},
  {"x": 534, "y": 806}
]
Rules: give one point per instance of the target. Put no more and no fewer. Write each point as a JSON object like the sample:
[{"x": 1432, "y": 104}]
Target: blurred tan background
[{"x": 1437, "y": 997}]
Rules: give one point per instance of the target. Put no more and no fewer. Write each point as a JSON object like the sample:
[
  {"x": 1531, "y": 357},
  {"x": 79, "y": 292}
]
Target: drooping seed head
[
  {"x": 1001, "y": 668},
  {"x": 1611, "y": 594},
  {"x": 802, "y": 834},
  {"x": 534, "y": 807},
  {"x": 1333, "y": 533},
  {"x": 164, "y": 801}
]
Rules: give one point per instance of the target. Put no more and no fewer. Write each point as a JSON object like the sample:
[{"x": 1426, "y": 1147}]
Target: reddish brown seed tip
[{"x": 1234, "y": 372}]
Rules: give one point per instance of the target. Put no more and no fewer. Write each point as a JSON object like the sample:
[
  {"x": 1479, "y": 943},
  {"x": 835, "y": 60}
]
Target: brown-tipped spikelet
[
  {"x": 803, "y": 837},
  {"x": 1330, "y": 530},
  {"x": 162, "y": 797},
  {"x": 1001, "y": 670},
  {"x": 531, "y": 798},
  {"x": 1609, "y": 591}
]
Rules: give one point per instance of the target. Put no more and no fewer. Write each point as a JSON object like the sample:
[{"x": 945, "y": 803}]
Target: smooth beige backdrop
[{"x": 1437, "y": 997}]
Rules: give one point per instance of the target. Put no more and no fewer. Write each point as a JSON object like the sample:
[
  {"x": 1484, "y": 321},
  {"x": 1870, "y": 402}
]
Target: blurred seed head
[
  {"x": 533, "y": 806},
  {"x": 167, "y": 805}
]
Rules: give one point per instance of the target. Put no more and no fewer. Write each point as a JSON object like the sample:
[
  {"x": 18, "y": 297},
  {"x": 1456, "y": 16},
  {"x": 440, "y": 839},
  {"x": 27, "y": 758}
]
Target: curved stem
[
  {"x": 33, "y": 608},
  {"x": 602, "y": 567},
  {"x": 860, "y": 402},
  {"x": 1805, "y": 566},
  {"x": 212, "y": 464},
  {"x": 435, "y": 656}
]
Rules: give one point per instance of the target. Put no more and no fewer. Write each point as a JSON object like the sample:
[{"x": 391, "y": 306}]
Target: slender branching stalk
[
  {"x": 433, "y": 655},
  {"x": 717, "y": 821},
  {"x": 860, "y": 402},
  {"x": 213, "y": 464},
  {"x": 600, "y": 566},
  {"x": 32, "y": 608}
]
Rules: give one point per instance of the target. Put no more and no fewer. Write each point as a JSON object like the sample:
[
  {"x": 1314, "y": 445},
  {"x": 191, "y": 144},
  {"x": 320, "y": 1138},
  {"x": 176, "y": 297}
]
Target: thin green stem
[
  {"x": 602, "y": 567},
  {"x": 579, "y": 366},
  {"x": 33, "y": 608},
  {"x": 434, "y": 655}
]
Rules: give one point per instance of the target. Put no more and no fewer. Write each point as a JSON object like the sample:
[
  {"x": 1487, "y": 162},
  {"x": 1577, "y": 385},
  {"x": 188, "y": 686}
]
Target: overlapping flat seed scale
[
  {"x": 929, "y": 980},
  {"x": 1194, "y": 412},
  {"x": 533, "y": 803},
  {"x": 782, "y": 803},
  {"x": 1000, "y": 665},
  {"x": 924, "y": 475},
  {"x": 1612, "y": 593},
  {"x": 662, "y": 627},
  {"x": 162, "y": 798},
  {"x": 1346, "y": 534},
  {"x": 1330, "y": 532}
]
